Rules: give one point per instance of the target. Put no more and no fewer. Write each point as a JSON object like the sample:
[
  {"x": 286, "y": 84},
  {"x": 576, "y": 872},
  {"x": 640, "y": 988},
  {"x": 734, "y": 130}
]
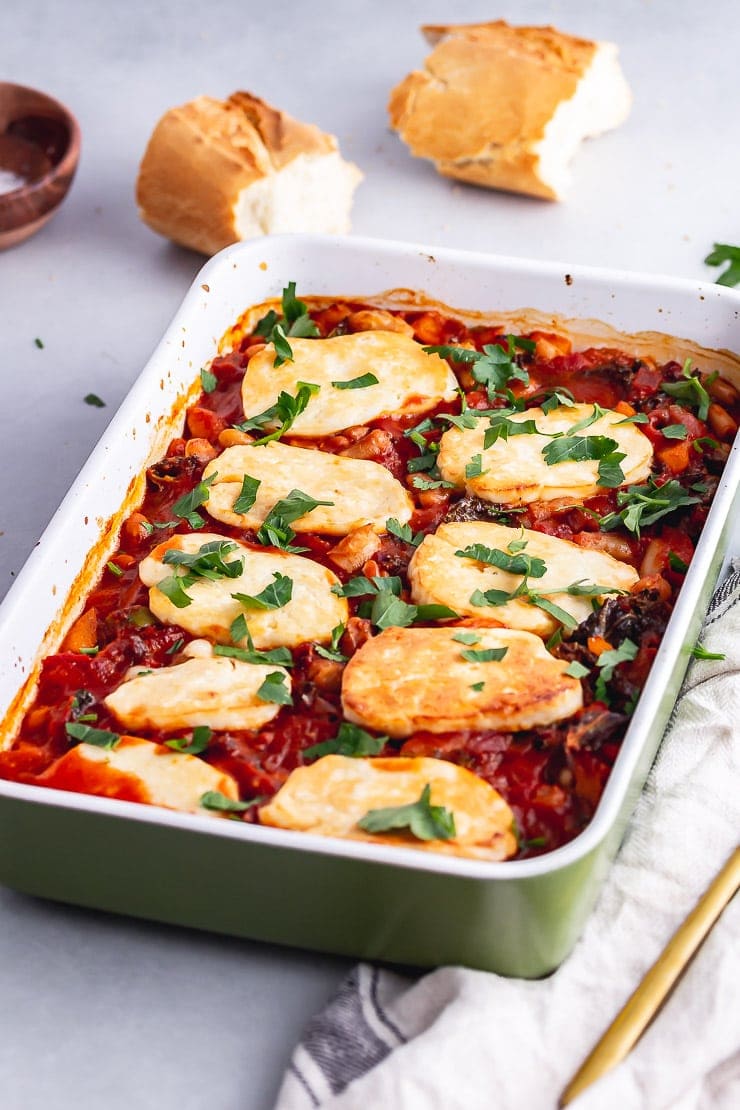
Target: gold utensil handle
[{"x": 637, "y": 1013}]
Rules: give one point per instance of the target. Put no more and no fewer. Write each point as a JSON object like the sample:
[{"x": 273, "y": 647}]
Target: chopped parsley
[
  {"x": 197, "y": 743},
  {"x": 362, "y": 382},
  {"x": 94, "y": 400},
  {"x": 294, "y": 322},
  {"x": 466, "y": 638},
  {"x": 700, "y": 652},
  {"x": 403, "y": 532},
  {"x": 608, "y": 661},
  {"x": 214, "y": 799},
  {"x": 274, "y": 689},
  {"x": 493, "y": 367},
  {"x": 283, "y": 413},
  {"x": 421, "y": 818},
  {"x": 419, "y": 482},
  {"x": 675, "y": 431},
  {"x": 640, "y": 506},
  {"x": 177, "y": 646},
  {"x": 332, "y": 652},
  {"x": 274, "y": 596},
  {"x": 477, "y": 686},
  {"x": 580, "y": 448},
  {"x": 721, "y": 253},
  {"x": 690, "y": 391},
  {"x": 350, "y": 740},
  {"x": 276, "y": 530},
  {"x": 474, "y": 469},
  {"x": 114, "y": 568},
  {"x": 484, "y": 655},
  {"x": 247, "y": 494},
  {"x": 675, "y": 562},
  {"x": 84, "y": 734},
  {"x": 209, "y": 562},
  {"x": 513, "y": 561},
  {"x": 186, "y": 506},
  {"x": 576, "y": 670},
  {"x": 280, "y": 656},
  {"x": 208, "y": 380},
  {"x": 39, "y": 343}
]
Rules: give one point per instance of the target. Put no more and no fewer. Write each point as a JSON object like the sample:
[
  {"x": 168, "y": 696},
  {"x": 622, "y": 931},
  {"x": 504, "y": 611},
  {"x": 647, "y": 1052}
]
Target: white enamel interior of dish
[{"x": 249, "y": 273}]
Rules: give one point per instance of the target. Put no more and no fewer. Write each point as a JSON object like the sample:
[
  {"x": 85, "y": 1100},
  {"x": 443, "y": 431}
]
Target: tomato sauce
[{"x": 552, "y": 777}]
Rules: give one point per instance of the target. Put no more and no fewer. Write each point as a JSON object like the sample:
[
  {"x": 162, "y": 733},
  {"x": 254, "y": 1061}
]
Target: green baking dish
[{"x": 386, "y": 903}]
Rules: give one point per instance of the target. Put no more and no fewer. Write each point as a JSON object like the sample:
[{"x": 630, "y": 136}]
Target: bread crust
[
  {"x": 484, "y": 99},
  {"x": 204, "y": 153}
]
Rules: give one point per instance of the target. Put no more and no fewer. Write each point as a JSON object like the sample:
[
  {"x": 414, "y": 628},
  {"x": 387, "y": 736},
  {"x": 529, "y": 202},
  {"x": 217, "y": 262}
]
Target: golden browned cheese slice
[
  {"x": 441, "y": 577},
  {"x": 359, "y": 491},
  {"x": 332, "y": 795},
  {"x": 408, "y": 380},
  {"x": 312, "y": 612},
  {"x": 514, "y": 471},
  {"x": 408, "y": 679}
]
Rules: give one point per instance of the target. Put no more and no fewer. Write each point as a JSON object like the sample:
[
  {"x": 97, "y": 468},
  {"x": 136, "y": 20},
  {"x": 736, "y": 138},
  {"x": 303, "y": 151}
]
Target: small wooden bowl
[{"x": 39, "y": 143}]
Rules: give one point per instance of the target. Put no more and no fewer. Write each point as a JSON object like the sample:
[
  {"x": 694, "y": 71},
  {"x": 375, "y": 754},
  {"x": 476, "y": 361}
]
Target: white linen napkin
[{"x": 461, "y": 1038}]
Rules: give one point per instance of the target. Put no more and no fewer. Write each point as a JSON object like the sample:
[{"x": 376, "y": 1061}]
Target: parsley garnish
[
  {"x": 576, "y": 670},
  {"x": 274, "y": 689},
  {"x": 423, "y": 820},
  {"x": 607, "y": 662},
  {"x": 276, "y": 530},
  {"x": 466, "y": 638},
  {"x": 495, "y": 366},
  {"x": 580, "y": 448},
  {"x": 208, "y": 380},
  {"x": 723, "y": 252},
  {"x": 279, "y": 656},
  {"x": 477, "y": 686},
  {"x": 177, "y": 646},
  {"x": 294, "y": 322},
  {"x": 675, "y": 562},
  {"x": 284, "y": 413},
  {"x": 419, "y": 482},
  {"x": 640, "y": 506},
  {"x": 350, "y": 740},
  {"x": 247, "y": 494},
  {"x": 186, "y": 506},
  {"x": 209, "y": 561},
  {"x": 511, "y": 561},
  {"x": 675, "y": 431},
  {"x": 84, "y": 734},
  {"x": 700, "y": 652},
  {"x": 214, "y": 799},
  {"x": 474, "y": 469},
  {"x": 114, "y": 568},
  {"x": 575, "y": 589},
  {"x": 360, "y": 586},
  {"x": 690, "y": 391},
  {"x": 332, "y": 653},
  {"x": 39, "y": 343},
  {"x": 197, "y": 743},
  {"x": 484, "y": 655},
  {"x": 275, "y": 596},
  {"x": 501, "y": 426},
  {"x": 362, "y": 382},
  {"x": 94, "y": 400},
  {"x": 403, "y": 532}
]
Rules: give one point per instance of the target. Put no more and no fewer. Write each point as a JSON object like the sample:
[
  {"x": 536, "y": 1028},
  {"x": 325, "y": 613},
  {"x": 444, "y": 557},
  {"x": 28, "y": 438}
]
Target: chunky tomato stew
[{"x": 551, "y": 775}]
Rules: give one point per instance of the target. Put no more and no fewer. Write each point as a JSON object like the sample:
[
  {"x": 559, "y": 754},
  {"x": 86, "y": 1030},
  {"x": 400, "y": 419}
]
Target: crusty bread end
[
  {"x": 507, "y": 107},
  {"x": 218, "y": 171}
]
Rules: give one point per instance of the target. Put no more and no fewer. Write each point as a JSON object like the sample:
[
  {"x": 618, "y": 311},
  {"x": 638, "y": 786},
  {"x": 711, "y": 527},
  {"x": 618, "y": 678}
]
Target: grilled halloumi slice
[
  {"x": 408, "y": 380},
  {"x": 139, "y": 770},
  {"x": 219, "y": 692},
  {"x": 332, "y": 795},
  {"x": 439, "y": 576},
  {"x": 360, "y": 492},
  {"x": 408, "y": 679},
  {"x": 312, "y": 612},
  {"x": 513, "y": 471}
]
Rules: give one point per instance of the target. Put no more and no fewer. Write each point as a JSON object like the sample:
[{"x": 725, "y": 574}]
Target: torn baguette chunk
[
  {"x": 507, "y": 107},
  {"x": 407, "y": 679},
  {"x": 408, "y": 380},
  {"x": 514, "y": 470},
  {"x": 439, "y": 576},
  {"x": 218, "y": 171},
  {"x": 140, "y": 770},
  {"x": 360, "y": 491},
  {"x": 334, "y": 793},
  {"x": 219, "y": 692},
  {"x": 312, "y": 612}
]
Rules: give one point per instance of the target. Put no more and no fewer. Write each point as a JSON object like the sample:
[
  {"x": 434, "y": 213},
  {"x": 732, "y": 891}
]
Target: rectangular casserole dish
[{"x": 516, "y": 918}]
